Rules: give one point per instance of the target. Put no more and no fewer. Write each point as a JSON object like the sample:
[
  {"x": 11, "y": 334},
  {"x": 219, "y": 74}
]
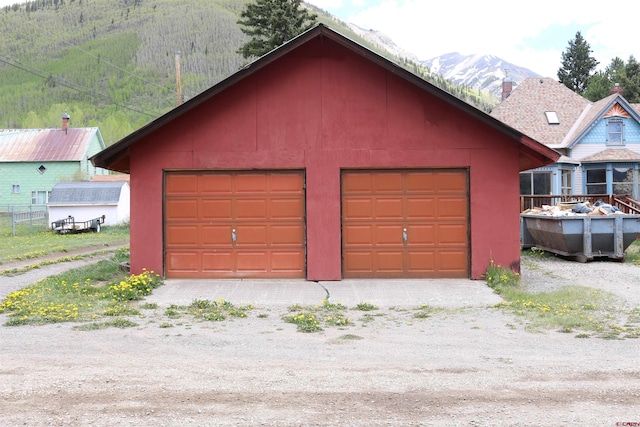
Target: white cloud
[{"x": 532, "y": 35}]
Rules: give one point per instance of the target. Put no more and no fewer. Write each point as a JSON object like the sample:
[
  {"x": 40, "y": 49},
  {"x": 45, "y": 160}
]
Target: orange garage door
[
  {"x": 410, "y": 223},
  {"x": 234, "y": 224}
]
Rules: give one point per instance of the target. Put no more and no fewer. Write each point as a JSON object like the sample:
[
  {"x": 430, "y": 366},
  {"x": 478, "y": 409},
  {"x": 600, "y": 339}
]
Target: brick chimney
[
  {"x": 507, "y": 85},
  {"x": 65, "y": 122},
  {"x": 616, "y": 89}
]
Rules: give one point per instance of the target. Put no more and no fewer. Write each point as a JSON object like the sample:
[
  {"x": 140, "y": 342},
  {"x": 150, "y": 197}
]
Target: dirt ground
[{"x": 464, "y": 367}]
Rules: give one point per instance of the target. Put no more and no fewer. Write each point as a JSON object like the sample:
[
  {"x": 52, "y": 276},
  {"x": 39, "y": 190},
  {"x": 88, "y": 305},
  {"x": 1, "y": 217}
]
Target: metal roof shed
[{"x": 87, "y": 200}]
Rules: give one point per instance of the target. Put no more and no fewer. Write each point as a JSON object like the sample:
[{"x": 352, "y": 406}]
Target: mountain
[
  {"x": 112, "y": 64},
  {"x": 481, "y": 72},
  {"x": 381, "y": 40}
]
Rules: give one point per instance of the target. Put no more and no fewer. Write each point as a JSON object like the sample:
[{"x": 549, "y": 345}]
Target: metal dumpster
[{"x": 582, "y": 237}]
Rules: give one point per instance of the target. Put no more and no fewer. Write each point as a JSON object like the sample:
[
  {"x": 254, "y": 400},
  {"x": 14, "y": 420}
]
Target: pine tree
[
  {"x": 270, "y": 23},
  {"x": 577, "y": 65}
]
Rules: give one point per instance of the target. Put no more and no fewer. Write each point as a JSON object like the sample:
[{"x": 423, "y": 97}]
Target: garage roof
[{"x": 116, "y": 157}]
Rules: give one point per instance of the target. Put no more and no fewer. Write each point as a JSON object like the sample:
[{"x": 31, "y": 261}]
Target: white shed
[{"x": 89, "y": 200}]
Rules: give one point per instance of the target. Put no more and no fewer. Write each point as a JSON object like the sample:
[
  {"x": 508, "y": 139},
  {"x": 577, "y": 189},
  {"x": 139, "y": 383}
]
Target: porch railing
[{"x": 621, "y": 201}]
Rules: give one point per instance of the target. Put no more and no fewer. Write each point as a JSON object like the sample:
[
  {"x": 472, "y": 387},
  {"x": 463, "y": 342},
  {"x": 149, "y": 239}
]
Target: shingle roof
[
  {"x": 42, "y": 145},
  {"x": 86, "y": 193},
  {"x": 613, "y": 155},
  {"x": 524, "y": 109}
]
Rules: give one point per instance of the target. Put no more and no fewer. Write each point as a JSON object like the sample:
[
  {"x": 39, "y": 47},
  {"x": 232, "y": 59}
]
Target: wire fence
[{"x": 19, "y": 220}]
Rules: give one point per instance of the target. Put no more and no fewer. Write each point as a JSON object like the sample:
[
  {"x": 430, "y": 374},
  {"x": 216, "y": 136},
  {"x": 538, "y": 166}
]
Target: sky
[{"x": 527, "y": 34}]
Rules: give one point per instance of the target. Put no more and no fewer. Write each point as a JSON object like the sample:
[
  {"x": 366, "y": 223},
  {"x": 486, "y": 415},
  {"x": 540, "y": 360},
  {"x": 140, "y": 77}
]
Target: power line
[{"x": 73, "y": 86}]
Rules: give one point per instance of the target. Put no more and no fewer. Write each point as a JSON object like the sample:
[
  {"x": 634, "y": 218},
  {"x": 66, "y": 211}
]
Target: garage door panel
[
  {"x": 452, "y": 234},
  {"x": 451, "y": 182},
  {"x": 251, "y": 183},
  {"x": 266, "y": 210},
  {"x": 389, "y": 261},
  {"x": 216, "y": 209},
  {"x": 358, "y": 208},
  {"x": 357, "y": 183},
  {"x": 389, "y": 207},
  {"x": 181, "y": 185},
  {"x": 218, "y": 261},
  {"x": 421, "y": 261},
  {"x": 421, "y": 208},
  {"x": 453, "y": 261},
  {"x": 252, "y": 261},
  {"x": 359, "y": 261},
  {"x": 216, "y": 235},
  {"x": 183, "y": 261},
  {"x": 287, "y": 184},
  {"x": 214, "y": 184},
  {"x": 251, "y": 209},
  {"x": 387, "y": 182},
  {"x": 182, "y": 209},
  {"x": 420, "y": 182},
  {"x": 182, "y": 235},
  {"x": 452, "y": 208},
  {"x": 287, "y": 261},
  {"x": 288, "y": 235},
  {"x": 286, "y": 208},
  {"x": 251, "y": 235},
  {"x": 388, "y": 235},
  {"x": 355, "y": 235},
  {"x": 422, "y": 234}
]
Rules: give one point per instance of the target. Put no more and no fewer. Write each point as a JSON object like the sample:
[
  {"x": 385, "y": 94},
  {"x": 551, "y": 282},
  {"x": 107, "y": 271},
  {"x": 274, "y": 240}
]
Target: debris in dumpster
[{"x": 575, "y": 209}]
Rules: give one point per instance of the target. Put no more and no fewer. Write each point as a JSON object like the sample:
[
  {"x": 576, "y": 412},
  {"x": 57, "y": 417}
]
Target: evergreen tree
[
  {"x": 270, "y": 23},
  {"x": 577, "y": 65},
  {"x": 630, "y": 80}
]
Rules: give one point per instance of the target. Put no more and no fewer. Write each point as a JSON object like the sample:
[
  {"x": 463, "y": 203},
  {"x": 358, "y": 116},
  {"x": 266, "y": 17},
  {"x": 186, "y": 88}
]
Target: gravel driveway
[{"x": 460, "y": 367}]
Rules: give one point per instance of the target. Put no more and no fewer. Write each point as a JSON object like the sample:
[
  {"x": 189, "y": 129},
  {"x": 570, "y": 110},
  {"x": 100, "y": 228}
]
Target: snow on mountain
[{"x": 482, "y": 72}]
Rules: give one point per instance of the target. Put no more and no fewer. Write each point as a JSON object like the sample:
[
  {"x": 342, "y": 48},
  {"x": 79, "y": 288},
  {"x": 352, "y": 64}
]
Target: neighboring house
[
  {"x": 323, "y": 160},
  {"x": 599, "y": 141},
  {"x": 32, "y": 161},
  {"x": 88, "y": 200}
]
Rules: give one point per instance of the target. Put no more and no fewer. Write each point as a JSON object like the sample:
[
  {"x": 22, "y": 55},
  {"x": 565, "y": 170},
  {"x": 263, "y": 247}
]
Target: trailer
[
  {"x": 70, "y": 225},
  {"x": 580, "y": 237}
]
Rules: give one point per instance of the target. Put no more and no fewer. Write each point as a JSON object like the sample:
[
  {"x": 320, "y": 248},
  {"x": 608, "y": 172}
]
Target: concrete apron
[{"x": 447, "y": 293}]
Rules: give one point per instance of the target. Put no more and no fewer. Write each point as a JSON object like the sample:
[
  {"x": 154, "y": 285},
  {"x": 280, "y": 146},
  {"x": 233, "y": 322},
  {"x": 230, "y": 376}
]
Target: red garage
[{"x": 323, "y": 160}]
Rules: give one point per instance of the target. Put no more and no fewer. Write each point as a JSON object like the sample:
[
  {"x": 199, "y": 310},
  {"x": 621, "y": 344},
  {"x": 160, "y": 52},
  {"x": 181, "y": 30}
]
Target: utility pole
[{"x": 178, "y": 84}]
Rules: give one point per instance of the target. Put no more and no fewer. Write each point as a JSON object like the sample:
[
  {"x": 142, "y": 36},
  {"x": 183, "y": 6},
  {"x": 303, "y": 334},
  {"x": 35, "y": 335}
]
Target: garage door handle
[
  {"x": 233, "y": 235},
  {"x": 405, "y": 237}
]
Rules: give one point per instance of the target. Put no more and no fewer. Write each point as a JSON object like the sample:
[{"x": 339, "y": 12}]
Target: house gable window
[
  {"x": 15, "y": 188},
  {"x": 614, "y": 131},
  {"x": 42, "y": 169}
]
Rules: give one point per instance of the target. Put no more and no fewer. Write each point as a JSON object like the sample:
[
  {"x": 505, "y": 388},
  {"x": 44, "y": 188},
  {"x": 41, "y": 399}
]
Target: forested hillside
[{"x": 112, "y": 63}]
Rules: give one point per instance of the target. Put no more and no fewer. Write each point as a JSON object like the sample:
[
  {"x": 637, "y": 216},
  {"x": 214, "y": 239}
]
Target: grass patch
[
  {"x": 632, "y": 254},
  {"x": 82, "y": 294},
  {"x": 365, "y": 306},
  {"x": 213, "y": 311},
  {"x": 115, "y": 323},
  {"x": 570, "y": 309},
  {"x": 425, "y": 311},
  {"x": 41, "y": 243},
  {"x": 313, "y": 318}
]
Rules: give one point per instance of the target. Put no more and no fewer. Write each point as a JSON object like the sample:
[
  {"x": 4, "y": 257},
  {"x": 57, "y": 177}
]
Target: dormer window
[
  {"x": 614, "y": 132},
  {"x": 552, "y": 117}
]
